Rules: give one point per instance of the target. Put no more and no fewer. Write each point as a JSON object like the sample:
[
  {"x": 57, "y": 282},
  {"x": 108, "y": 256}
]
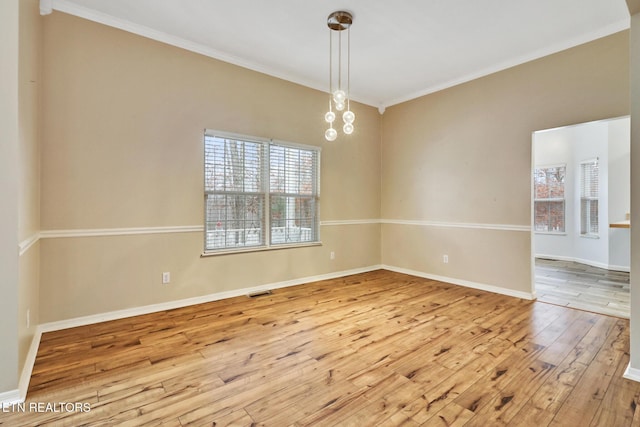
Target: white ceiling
[{"x": 399, "y": 50}]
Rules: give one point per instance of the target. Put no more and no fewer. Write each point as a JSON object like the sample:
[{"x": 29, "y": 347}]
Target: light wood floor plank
[
  {"x": 378, "y": 348},
  {"x": 583, "y": 287}
]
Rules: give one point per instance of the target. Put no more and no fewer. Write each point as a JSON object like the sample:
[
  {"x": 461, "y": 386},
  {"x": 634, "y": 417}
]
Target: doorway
[{"x": 580, "y": 216}]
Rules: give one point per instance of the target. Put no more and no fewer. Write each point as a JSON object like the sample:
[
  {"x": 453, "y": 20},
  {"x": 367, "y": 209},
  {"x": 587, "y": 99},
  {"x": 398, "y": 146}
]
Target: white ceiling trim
[
  {"x": 46, "y": 7},
  {"x": 141, "y": 30},
  {"x": 549, "y": 50},
  {"x": 144, "y": 31}
]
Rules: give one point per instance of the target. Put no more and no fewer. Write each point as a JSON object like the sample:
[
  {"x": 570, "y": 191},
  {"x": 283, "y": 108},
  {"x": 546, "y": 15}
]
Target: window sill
[
  {"x": 552, "y": 233},
  {"x": 259, "y": 249},
  {"x": 590, "y": 236}
]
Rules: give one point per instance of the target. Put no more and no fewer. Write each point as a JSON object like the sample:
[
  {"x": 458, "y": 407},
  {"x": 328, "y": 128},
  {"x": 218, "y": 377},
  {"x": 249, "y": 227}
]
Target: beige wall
[
  {"x": 9, "y": 178},
  {"x": 123, "y": 121},
  {"x": 29, "y": 185},
  {"x": 463, "y": 156}
]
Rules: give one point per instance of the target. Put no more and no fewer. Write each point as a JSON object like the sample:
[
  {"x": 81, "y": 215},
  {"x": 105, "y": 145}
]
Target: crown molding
[
  {"x": 144, "y": 31},
  {"x": 549, "y": 50},
  {"x": 46, "y": 7}
]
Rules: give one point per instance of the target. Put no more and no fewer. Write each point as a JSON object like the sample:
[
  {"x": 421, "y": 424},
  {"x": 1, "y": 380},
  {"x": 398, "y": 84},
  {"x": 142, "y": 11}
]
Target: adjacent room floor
[
  {"x": 581, "y": 286},
  {"x": 378, "y": 348}
]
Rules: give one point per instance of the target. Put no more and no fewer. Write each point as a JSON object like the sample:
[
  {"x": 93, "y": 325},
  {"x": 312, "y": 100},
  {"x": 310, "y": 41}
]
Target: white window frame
[
  {"x": 266, "y": 193},
  {"x": 548, "y": 200},
  {"x": 586, "y": 220}
]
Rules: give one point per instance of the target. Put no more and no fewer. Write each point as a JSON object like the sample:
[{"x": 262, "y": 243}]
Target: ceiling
[{"x": 399, "y": 50}]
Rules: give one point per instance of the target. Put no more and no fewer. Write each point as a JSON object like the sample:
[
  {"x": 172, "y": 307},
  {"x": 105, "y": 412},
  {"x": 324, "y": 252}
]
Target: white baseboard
[
  {"x": 25, "y": 378},
  {"x": 586, "y": 262},
  {"x": 170, "y": 305},
  {"x": 622, "y": 268},
  {"x": 9, "y": 398},
  {"x": 465, "y": 283},
  {"x": 632, "y": 374},
  {"x": 16, "y": 396}
]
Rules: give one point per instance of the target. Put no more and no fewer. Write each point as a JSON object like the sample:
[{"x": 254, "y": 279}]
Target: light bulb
[
  {"x": 339, "y": 96},
  {"x": 330, "y": 116},
  {"x": 347, "y": 128},
  {"x": 348, "y": 116},
  {"x": 339, "y": 106},
  {"x": 331, "y": 134}
]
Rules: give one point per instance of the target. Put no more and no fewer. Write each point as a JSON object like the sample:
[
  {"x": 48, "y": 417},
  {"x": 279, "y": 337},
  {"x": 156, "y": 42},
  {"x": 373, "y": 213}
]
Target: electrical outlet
[
  {"x": 445, "y": 259},
  {"x": 332, "y": 255},
  {"x": 166, "y": 277}
]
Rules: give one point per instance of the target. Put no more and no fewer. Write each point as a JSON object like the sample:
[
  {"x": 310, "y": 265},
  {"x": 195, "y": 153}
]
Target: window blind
[
  {"x": 259, "y": 193},
  {"x": 293, "y": 194},
  {"x": 234, "y": 192},
  {"x": 589, "y": 190}
]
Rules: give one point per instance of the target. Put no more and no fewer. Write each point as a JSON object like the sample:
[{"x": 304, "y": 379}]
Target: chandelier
[{"x": 338, "y": 97}]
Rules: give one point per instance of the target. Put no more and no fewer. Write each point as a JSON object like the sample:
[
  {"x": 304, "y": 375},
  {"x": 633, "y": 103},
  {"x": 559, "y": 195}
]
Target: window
[
  {"x": 589, "y": 198},
  {"x": 549, "y": 202},
  {"x": 259, "y": 193}
]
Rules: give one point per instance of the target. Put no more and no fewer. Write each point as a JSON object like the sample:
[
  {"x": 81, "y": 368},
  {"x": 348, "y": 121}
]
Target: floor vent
[{"x": 259, "y": 294}]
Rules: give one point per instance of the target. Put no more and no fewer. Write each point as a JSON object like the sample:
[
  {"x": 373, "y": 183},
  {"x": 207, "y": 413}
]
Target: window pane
[
  {"x": 234, "y": 221},
  {"x": 293, "y": 219},
  {"x": 593, "y": 217},
  {"x": 549, "y": 216},
  {"x": 232, "y": 165},
  {"x": 541, "y": 190},
  {"x": 556, "y": 216},
  {"x": 541, "y": 216},
  {"x": 293, "y": 170},
  {"x": 549, "y": 212},
  {"x": 555, "y": 180}
]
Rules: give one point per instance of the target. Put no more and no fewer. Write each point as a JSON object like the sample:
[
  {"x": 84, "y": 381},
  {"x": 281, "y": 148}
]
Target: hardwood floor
[
  {"x": 379, "y": 348},
  {"x": 581, "y": 286}
]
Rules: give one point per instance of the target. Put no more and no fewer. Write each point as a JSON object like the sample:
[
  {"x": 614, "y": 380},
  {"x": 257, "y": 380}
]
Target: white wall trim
[
  {"x": 623, "y": 268},
  {"x": 25, "y": 377},
  {"x": 499, "y": 227},
  {"x": 18, "y": 396},
  {"x": 27, "y": 243},
  {"x": 632, "y": 374},
  {"x": 465, "y": 283},
  {"x": 350, "y": 222},
  {"x": 96, "y": 232},
  {"x": 9, "y": 398},
  {"x": 169, "y": 305}
]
